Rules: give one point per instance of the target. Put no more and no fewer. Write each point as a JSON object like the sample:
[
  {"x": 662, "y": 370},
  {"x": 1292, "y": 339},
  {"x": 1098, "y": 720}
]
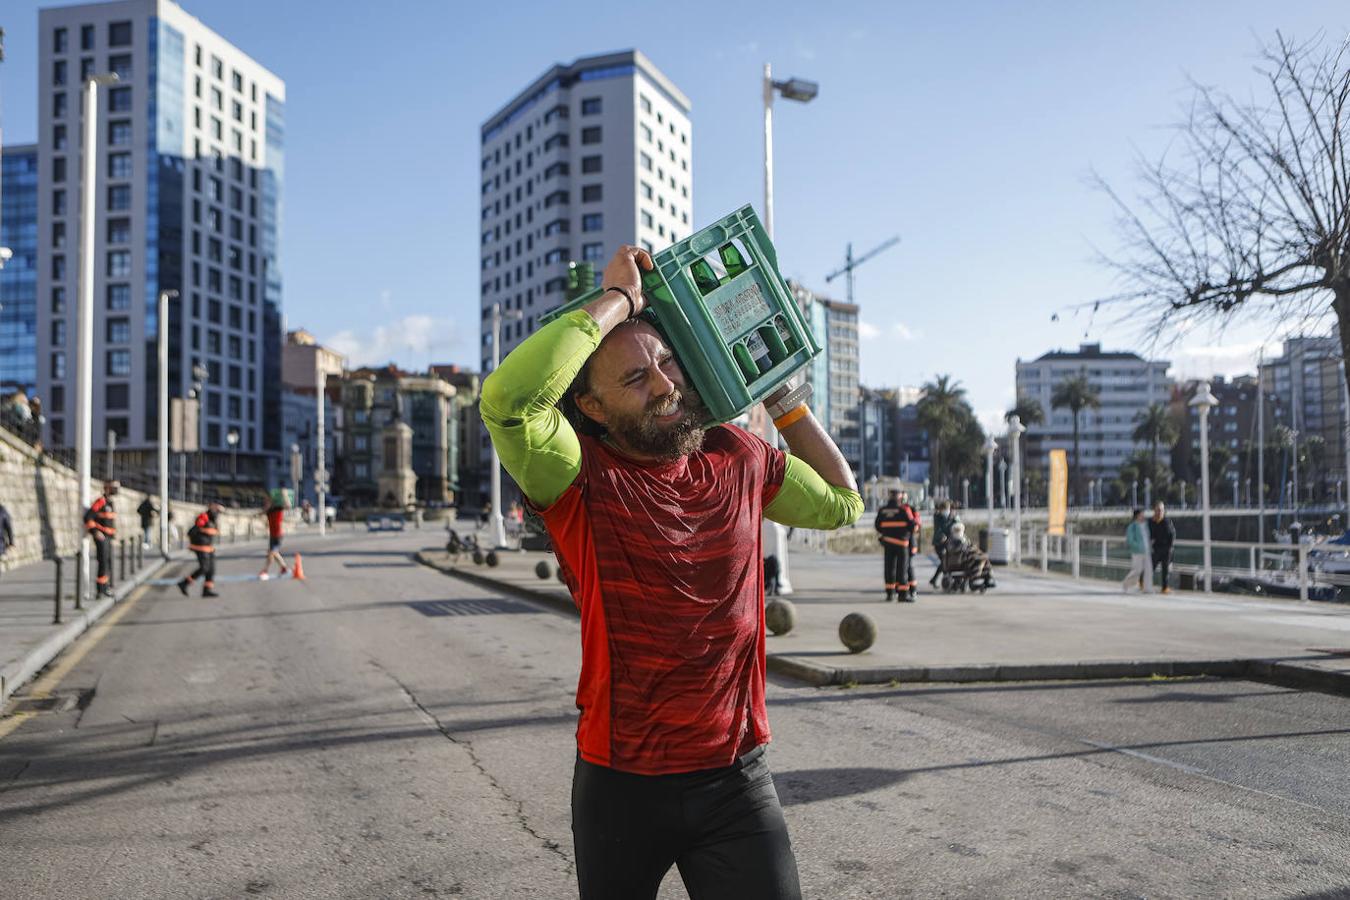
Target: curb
[
  {"x": 80, "y": 621},
  {"x": 1268, "y": 671}
]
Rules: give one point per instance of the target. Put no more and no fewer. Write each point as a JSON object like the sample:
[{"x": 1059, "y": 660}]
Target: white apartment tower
[
  {"x": 592, "y": 155},
  {"x": 190, "y": 168}
]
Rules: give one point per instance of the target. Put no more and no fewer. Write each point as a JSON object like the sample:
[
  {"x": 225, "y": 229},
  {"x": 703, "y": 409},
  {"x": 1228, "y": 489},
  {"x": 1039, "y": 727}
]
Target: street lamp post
[
  {"x": 1203, "y": 402},
  {"x": 1134, "y": 494},
  {"x": 990, "y": 448},
  {"x": 1148, "y": 493},
  {"x": 200, "y": 375},
  {"x": 320, "y": 457},
  {"x": 232, "y": 438},
  {"x": 803, "y": 92},
  {"x": 84, "y": 385},
  {"x": 1003, "y": 484},
  {"x": 163, "y": 417},
  {"x": 297, "y": 470},
  {"x": 1015, "y": 430},
  {"x": 109, "y": 447},
  {"x": 965, "y": 493},
  {"x": 498, "y": 524},
  {"x": 793, "y": 89}
]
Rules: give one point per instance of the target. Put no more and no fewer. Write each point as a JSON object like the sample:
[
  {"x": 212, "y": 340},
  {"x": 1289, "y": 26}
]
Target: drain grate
[
  {"x": 54, "y": 703},
  {"x": 493, "y": 607}
]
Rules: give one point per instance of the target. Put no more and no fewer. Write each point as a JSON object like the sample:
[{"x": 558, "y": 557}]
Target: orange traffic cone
[{"x": 298, "y": 572}]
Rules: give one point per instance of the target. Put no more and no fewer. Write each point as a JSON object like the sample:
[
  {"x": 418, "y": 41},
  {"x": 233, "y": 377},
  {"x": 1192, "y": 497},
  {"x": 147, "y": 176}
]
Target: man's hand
[{"x": 625, "y": 271}]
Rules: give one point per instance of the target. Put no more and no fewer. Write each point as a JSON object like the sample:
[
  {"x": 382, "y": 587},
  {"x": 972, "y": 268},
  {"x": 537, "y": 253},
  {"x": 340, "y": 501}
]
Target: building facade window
[
  {"x": 119, "y": 363},
  {"x": 592, "y": 222},
  {"x": 591, "y": 135},
  {"x": 590, "y": 106},
  {"x": 119, "y": 297},
  {"x": 590, "y": 164},
  {"x": 119, "y": 263},
  {"x": 119, "y": 331},
  {"x": 119, "y": 99},
  {"x": 119, "y": 165},
  {"x": 593, "y": 252},
  {"x": 119, "y": 197},
  {"x": 119, "y": 34},
  {"x": 592, "y": 193},
  {"x": 119, "y": 133}
]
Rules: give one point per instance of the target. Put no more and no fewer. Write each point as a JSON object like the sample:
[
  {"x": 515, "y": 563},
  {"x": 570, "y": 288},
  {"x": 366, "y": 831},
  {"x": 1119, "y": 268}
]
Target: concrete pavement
[
  {"x": 1030, "y": 627},
  {"x": 380, "y": 730}
]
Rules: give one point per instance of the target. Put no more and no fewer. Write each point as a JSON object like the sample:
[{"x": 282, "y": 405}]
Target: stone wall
[{"x": 42, "y": 497}]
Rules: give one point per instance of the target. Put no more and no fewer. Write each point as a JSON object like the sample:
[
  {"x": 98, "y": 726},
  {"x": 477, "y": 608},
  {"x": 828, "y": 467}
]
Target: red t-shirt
[
  {"x": 274, "y": 519},
  {"x": 664, "y": 561}
]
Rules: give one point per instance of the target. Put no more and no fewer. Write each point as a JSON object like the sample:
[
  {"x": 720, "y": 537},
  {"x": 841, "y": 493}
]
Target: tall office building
[
  {"x": 1126, "y": 385},
  {"x": 591, "y": 155},
  {"x": 833, "y": 375},
  {"x": 18, "y": 275},
  {"x": 188, "y": 198}
]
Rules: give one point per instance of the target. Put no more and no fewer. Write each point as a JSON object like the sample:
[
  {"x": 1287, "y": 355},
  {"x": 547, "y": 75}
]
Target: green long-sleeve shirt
[{"x": 538, "y": 447}]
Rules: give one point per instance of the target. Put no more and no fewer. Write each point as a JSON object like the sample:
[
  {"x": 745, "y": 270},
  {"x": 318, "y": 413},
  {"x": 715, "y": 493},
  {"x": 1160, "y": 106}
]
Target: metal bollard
[
  {"x": 1045, "y": 551},
  {"x": 56, "y": 613},
  {"x": 1077, "y": 556},
  {"x": 79, "y": 577},
  {"x": 1302, "y": 571},
  {"x": 122, "y": 561}
]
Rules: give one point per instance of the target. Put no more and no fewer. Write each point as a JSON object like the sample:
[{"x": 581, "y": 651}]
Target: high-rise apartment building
[
  {"x": 591, "y": 155},
  {"x": 833, "y": 375},
  {"x": 18, "y": 274},
  {"x": 1126, "y": 384},
  {"x": 188, "y": 198},
  {"x": 1305, "y": 392}
]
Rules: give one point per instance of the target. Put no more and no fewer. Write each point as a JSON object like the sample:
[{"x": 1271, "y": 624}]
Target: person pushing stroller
[{"x": 963, "y": 563}]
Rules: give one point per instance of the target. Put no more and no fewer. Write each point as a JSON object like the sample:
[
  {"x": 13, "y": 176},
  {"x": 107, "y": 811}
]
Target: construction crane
[{"x": 850, "y": 263}]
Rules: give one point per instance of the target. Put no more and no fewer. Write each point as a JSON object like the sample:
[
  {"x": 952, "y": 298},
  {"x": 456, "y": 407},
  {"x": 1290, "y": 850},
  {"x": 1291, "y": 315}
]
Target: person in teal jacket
[{"x": 1136, "y": 538}]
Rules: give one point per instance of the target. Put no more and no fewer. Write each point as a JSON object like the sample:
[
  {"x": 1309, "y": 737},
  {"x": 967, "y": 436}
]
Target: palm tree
[
  {"x": 1075, "y": 394},
  {"x": 1027, "y": 409},
  {"x": 939, "y": 413},
  {"x": 1155, "y": 426}
]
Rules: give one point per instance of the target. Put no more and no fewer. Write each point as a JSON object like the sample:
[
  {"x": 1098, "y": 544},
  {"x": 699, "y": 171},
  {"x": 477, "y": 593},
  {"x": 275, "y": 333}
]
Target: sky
[{"x": 969, "y": 130}]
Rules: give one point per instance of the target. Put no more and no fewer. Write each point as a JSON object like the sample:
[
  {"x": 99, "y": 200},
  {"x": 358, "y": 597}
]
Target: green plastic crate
[{"x": 728, "y": 315}]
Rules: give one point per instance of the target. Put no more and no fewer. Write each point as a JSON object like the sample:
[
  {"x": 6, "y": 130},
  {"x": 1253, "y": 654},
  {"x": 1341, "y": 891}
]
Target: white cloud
[
  {"x": 897, "y": 330},
  {"x": 1206, "y": 360},
  {"x": 903, "y": 331},
  {"x": 410, "y": 341},
  {"x": 867, "y": 331}
]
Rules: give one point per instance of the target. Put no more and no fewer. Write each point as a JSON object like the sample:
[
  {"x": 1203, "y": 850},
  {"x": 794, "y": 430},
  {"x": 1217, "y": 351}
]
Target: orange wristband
[{"x": 791, "y": 416}]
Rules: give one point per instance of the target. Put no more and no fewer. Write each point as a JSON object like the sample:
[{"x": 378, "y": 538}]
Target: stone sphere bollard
[
  {"x": 780, "y": 616},
  {"x": 857, "y": 631},
  {"x": 492, "y": 559},
  {"x": 543, "y": 569},
  {"x": 478, "y": 557}
]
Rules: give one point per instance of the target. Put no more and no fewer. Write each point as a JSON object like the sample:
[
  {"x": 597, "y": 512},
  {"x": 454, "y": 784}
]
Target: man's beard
[{"x": 665, "y": 441}]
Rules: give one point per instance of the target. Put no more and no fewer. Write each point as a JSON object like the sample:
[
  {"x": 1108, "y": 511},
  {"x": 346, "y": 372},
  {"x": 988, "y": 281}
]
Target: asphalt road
[{"x": 382, "y": 730}]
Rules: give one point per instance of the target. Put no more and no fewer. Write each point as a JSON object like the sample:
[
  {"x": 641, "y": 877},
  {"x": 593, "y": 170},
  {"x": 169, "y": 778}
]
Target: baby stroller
[
  {"x": 964, "y": 567},
  {"x": 456, "y": 545}
]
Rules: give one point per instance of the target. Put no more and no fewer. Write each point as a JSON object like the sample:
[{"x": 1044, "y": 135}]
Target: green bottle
[
  {"x": 744, "y": 360},
  {"x": 732, "y": 259},
  {"x": 777, "y": 349},
  {"x": 785, "y": 334},
  {"x": 759, "y": 352},
  {"x": 704, "y": 277}
]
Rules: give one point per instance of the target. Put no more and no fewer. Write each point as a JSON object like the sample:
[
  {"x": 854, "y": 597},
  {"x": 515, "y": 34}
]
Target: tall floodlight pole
[
  {"x": 1003, "y": 484},
  {"x": 84, "y": 385},
  {"x": 1015, "y": 430},
  {"x": 163, "y": 417},
  {"x": 1203, "y": 402}
]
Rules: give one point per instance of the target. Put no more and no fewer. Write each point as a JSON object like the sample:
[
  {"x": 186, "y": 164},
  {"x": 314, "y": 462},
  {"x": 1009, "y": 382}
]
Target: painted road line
[{"x": 49, "y": 680}]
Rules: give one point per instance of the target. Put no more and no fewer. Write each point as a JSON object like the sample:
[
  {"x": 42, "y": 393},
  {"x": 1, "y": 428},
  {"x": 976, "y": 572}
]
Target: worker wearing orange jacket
[{"x": 897, "y": 526}]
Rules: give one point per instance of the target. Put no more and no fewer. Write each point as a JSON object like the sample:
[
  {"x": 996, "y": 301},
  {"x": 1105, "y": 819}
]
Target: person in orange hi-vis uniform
[
  {"x": 202, "y": 541},
  {"x": 100, "y": 523}
]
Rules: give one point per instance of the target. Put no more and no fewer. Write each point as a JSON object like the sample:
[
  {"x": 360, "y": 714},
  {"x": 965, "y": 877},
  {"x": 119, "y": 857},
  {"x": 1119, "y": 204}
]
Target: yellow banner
[{"x": 1059, "y": 490}]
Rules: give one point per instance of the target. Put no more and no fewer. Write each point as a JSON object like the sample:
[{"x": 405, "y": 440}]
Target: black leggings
[
  {"x": 206, "y": 568},
  {"x": 723, "y": 828}
]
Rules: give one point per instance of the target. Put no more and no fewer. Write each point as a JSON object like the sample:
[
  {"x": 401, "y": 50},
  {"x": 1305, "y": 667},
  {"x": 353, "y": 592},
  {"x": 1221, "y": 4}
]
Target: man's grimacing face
[{"x": 638, "y": 393}]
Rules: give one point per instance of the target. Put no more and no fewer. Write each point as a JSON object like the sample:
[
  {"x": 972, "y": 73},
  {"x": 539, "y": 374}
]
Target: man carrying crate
[{"x": 655, "y": 518}]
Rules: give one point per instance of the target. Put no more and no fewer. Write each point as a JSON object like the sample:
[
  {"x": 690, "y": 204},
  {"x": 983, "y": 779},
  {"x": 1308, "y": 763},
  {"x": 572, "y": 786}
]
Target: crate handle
[{"x": 707, "y": 240}]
